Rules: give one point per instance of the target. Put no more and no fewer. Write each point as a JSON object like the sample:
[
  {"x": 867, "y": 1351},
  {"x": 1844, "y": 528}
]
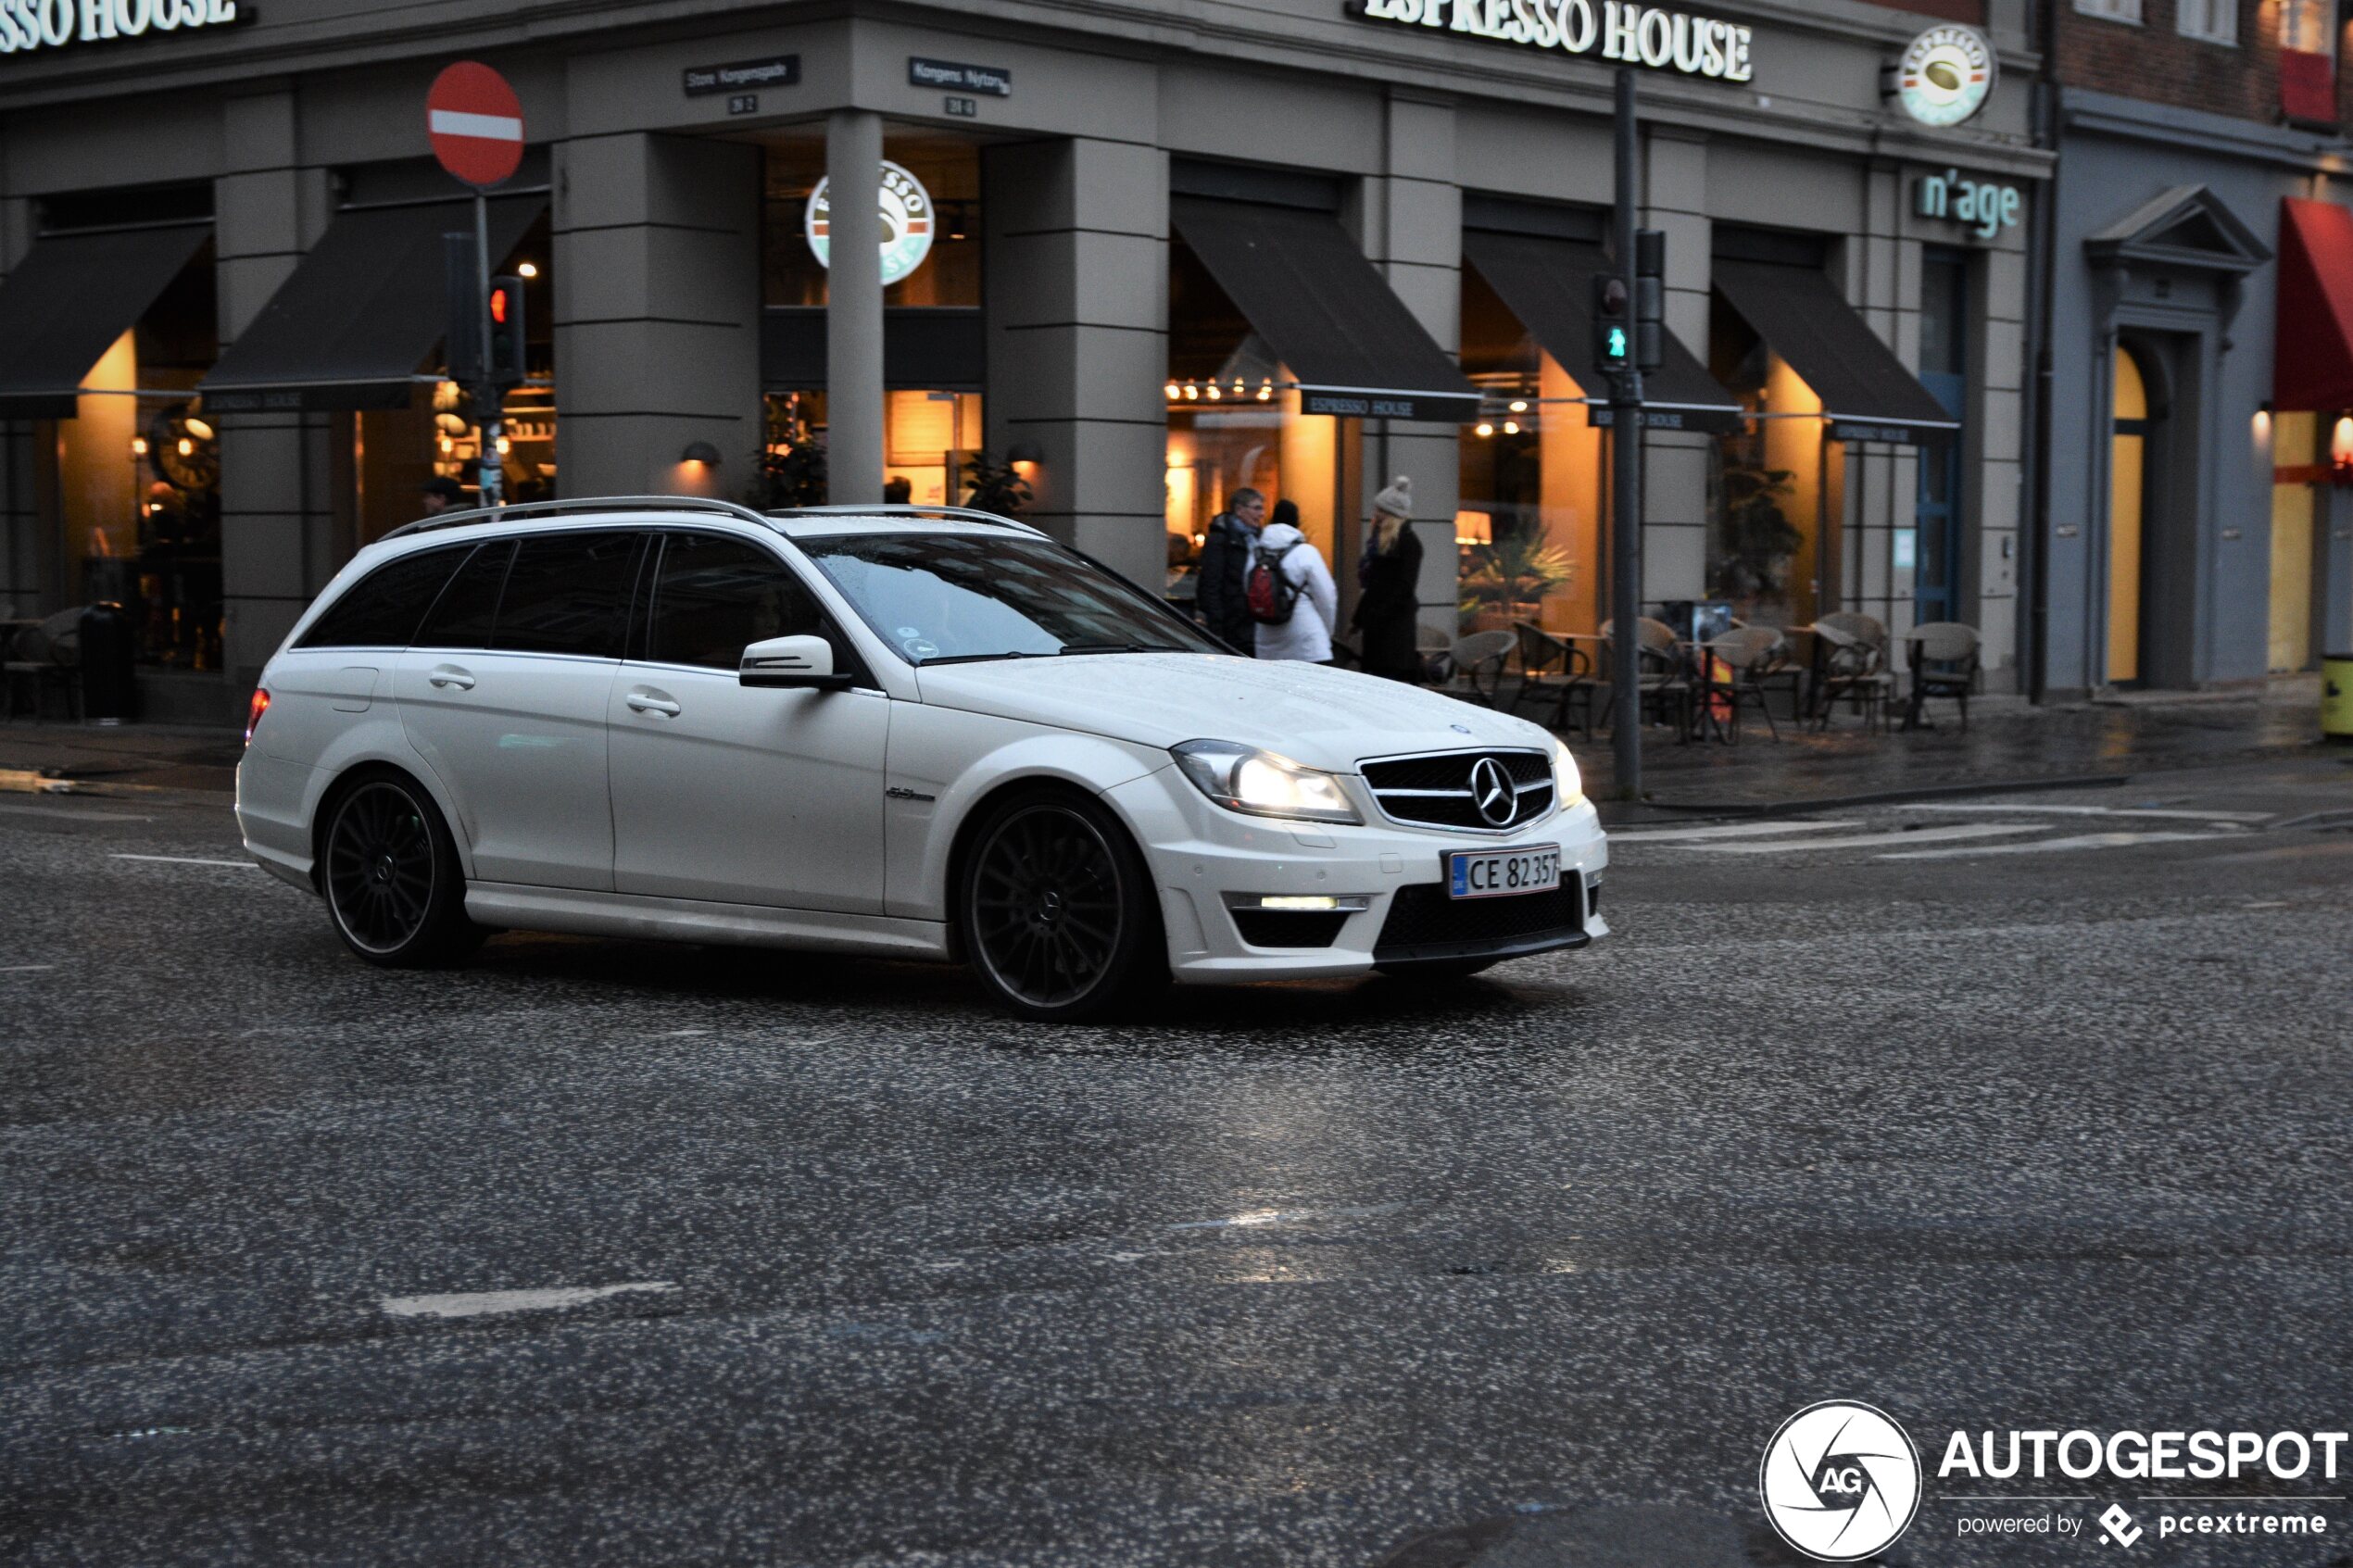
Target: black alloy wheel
[
  {"x": 1057, "y": 909},
  {"x": 390, "y": 876}
]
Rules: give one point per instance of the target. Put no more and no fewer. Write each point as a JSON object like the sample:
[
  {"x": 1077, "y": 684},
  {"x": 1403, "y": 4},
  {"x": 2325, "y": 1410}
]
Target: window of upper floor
[
  {"x": 2114, "y": 11},
  {"x": 2211, "y": 21},
  {"x": 2309, "y": 27}
]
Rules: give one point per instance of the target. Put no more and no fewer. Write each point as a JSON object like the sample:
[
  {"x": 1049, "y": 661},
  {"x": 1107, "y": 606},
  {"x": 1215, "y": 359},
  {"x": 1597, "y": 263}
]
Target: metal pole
[
  {"x": 1626, "y": 482},
  {"x": 854, "y": 404},
  {"x": 487, "y": 466}
]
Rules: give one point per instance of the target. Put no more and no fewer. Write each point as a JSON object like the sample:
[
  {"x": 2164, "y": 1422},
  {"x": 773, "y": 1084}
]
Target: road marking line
[
  {"x": 70, "y": 813},
  {"x": 1284, "y": 1217},
  {"x": 482, "y": 1303},
  {"x": 1864, "y": 841},
  {"x": 185, "y": 860},
  {"x": 1727, "y": 830},
  {"x": 2120, "y": 840},
  {"x": 2176, "y": 813},
  {"x": 26, "y": 968}
]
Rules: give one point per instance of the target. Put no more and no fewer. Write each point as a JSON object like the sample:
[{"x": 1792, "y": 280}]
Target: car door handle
[
  {"x": 450, "y": 675},
  {"x": 646, "y": 702}
]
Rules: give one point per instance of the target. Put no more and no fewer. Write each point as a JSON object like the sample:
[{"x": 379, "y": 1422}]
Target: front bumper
[{"x": 1204, "y": 859}]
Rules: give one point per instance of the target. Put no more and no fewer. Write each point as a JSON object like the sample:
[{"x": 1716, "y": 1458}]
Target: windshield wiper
[
  {"x": 1120, "y": 648},
  {"x": 978, "y": 658}
]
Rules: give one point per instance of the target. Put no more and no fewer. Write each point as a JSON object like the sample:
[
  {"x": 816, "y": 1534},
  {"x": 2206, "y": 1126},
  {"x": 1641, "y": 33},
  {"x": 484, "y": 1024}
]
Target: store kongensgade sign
[
  {"x": 28, "y": 25},
  {"x": 777, "y": 70},
  {"x": 1621, "y": 30}
]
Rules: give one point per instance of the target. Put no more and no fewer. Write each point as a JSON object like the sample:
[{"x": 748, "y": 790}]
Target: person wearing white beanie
[{"x": 1389, "y": 583}]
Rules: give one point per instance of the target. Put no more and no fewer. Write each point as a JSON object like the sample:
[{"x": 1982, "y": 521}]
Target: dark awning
[
  {"x": 361, "y": 313},
  {"x": 2312, "y": 355},
  {"x": 1548, "y": 284},
  {"x": 930, "y": 348},
  {"x": 71, "y": 297},
  {"x": 1867, "y": 393},
  {"x": 1328, "y": 315}
]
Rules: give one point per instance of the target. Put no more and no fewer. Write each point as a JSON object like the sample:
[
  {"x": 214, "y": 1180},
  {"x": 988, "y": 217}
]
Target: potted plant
[{"x": 1507, "y": 580}]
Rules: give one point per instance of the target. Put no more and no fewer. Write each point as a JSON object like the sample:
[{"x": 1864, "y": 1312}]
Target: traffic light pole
[
  {"x": 1626, "y": 484},
  {"x": 488, "y": 468}
]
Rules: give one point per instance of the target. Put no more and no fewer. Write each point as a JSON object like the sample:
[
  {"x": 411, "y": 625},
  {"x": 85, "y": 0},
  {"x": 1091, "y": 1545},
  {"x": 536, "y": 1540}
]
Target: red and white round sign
[{"x": 475, "y": 121}]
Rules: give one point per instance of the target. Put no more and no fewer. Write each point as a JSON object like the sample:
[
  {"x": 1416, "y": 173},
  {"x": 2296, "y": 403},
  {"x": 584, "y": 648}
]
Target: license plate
[{"x": 1498, "y": 873}]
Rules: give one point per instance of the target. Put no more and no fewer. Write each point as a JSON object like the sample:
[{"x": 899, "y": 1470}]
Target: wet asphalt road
[{"x": 2054, "y": 1137}]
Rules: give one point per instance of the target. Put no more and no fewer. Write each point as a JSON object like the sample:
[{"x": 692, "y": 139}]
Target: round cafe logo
[
  {"x": 1839, "y": 1481},
  {"x": 1944, "y": 76},
  {"x": 907, "y": 223}
]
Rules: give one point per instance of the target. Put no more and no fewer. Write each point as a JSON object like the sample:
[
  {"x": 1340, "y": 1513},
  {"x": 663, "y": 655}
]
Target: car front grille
[
  {"x": 1424, "y": 923},
  {"x": 1436, "y": 789}
]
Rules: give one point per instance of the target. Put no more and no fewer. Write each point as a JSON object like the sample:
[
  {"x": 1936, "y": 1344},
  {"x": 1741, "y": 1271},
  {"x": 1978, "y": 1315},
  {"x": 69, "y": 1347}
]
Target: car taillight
[{"x": 253, "y": 714}]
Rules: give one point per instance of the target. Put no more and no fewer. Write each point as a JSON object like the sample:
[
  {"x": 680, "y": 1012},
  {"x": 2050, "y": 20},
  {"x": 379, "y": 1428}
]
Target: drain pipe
[{"x": 2041, "y": 258}]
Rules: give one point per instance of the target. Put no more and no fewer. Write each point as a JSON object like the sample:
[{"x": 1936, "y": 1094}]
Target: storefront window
[
  {"x": 931, "y": 440},
  {"x": 1771, "y": 483},
  {"x": 1532, "y": 481},
  {"x": 947, "y": 176}
]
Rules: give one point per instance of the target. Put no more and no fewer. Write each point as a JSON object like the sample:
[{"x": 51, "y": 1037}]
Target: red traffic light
[{"x": 498, "y": 306}]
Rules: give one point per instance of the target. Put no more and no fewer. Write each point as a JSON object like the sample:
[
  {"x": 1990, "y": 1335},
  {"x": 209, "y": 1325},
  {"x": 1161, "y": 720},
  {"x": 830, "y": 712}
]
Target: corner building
[{"x": 1304, "y": 245}]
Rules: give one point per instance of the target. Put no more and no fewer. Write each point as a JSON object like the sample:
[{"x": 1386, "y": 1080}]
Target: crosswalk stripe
[
  {"x": 2116, "y": 840},
  {"x": 2175, "y": 814},
  {"x": 1866, "y": 840},
  {"x": 1722, "y": 829}
]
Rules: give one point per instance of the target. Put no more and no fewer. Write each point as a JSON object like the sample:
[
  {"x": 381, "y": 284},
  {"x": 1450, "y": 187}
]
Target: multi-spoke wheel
[
  {"x": 390, "y": 874},
  {"x": 1057, "y": 909}
]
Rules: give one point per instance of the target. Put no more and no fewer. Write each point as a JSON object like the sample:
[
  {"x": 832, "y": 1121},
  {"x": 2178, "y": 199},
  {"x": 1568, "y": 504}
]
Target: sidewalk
[{"x": 2010, "y": 744}]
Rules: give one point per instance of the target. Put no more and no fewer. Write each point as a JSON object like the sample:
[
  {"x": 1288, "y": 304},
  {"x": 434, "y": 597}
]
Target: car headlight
[
  {"x": 1568, "y": 787},
  {"x": 1243, "y": 778}
]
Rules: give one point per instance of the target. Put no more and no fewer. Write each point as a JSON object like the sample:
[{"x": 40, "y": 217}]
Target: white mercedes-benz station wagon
[{"x": 906, "y": 732}]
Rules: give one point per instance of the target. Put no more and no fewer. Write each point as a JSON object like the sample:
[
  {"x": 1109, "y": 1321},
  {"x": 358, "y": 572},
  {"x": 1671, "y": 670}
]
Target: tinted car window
[
  {"x": 568, "y": 593},
  {"x": 382, "y": 609},
  {"x": 715, "y": 595},
  {"x": 468, "y": 608}
]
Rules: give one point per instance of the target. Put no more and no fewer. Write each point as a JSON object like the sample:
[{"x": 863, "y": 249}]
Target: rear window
[{"x": 382, "y": 609}]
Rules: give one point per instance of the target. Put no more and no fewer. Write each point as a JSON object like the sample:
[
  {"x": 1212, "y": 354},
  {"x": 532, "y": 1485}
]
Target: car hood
[{"x": 1325, "y": 718}]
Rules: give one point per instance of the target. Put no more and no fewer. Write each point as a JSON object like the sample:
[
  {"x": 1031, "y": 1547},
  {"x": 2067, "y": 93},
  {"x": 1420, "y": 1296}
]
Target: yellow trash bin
[{"x": 2336, "y": 697}]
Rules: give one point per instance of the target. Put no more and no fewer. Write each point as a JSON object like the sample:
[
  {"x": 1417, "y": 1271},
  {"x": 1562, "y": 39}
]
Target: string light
[
  {"x": 1484, "y": 428},
  {"x": 1214, "y": 393},
  {"x": 1519, "y": 405},
  {"x": 138, "y": 445},
  {"x": 1511, "y": 427},
  {"x": 1191, "y": 392},
  {"x": 187, "y": 447},
  {"x": 1174, "y": 392}
]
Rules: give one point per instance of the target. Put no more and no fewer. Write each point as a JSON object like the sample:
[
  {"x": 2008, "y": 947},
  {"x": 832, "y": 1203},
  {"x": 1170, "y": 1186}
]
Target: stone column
[
  {"x": 277, "y": 523},
  {"x": 656, "y": 314},
  {"x": 1412, "y": 228},
  {"x": 1078, "y": 322},
  {"x": 1675, "y": 462},
  {"x": 853, "y": 308}
]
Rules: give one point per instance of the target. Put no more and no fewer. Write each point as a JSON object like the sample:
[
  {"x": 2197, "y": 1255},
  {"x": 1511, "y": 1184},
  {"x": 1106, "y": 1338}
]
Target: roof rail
[
  {"x": 584, "y": 503},
  {"x": 904, "y": 509}
]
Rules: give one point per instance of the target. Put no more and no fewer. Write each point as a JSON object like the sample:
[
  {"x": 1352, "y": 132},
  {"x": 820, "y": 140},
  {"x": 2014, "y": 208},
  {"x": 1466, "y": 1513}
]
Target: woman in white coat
[{"x": 1308, "y": 633}]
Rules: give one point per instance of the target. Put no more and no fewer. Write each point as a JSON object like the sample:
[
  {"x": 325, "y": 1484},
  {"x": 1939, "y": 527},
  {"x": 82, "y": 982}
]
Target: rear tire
[
  {"x": 388, "y": 869},
  {"x": 1057, "y": 911}
]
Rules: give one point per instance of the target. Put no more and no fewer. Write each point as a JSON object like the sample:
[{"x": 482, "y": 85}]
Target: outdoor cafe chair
[
  {"x": 1745, "y": 657},
  {"x": 1476, "y": 664},
  {"x": 1663, "y": 674},
  {"x": 1554, "y": 667},
  {"x": 1850, "y": 653},
  {"x": 1943, "y": 659}
]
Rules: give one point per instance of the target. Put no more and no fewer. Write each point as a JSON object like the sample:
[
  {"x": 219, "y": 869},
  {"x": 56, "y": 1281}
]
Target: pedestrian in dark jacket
[
  {"x": 1222, "y": 599},
  {"x": 1389, "y": 583}
]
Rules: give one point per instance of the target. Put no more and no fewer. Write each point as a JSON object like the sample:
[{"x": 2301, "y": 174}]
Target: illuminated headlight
[
  {"x": 1242, "y": 778},
  {"x": 1566, "y": 786}
]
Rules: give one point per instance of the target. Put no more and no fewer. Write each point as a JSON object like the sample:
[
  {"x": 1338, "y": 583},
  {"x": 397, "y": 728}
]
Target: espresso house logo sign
[
  {"x": 28, "y": 25},
  {"x": 1618, "y": 30}
]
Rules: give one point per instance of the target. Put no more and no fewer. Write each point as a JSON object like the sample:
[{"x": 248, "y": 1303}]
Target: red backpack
[{"x": 1270, "y": 593}]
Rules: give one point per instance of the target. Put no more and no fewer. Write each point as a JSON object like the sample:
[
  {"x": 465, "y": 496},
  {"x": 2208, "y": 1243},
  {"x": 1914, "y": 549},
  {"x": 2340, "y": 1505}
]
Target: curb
[{"x": 1876, "y": 798}]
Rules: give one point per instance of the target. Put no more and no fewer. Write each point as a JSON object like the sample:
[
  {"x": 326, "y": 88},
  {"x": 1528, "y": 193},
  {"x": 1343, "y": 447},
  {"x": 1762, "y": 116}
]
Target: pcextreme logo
[{"x": 1839, "y": 1481}]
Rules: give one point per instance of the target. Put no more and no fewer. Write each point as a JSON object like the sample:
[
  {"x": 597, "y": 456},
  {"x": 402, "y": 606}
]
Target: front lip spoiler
[{"x": 1447, "y": 952}]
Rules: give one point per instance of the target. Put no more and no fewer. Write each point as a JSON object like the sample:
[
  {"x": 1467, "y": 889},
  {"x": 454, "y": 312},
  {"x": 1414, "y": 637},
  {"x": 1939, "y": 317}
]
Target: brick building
[{"x": 2198, "y": 274}]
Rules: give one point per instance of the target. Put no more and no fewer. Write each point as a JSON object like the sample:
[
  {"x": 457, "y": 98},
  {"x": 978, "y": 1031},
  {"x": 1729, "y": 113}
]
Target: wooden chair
[{"x": 1944, "y": 657}]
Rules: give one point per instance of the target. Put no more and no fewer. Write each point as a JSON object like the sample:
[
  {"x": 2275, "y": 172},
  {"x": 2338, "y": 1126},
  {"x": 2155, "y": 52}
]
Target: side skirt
[{"x": 689, "y": 920}]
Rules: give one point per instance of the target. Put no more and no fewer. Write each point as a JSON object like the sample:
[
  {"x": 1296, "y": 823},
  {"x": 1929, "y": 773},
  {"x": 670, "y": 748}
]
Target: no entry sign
[{"x": 475, "y": 121}]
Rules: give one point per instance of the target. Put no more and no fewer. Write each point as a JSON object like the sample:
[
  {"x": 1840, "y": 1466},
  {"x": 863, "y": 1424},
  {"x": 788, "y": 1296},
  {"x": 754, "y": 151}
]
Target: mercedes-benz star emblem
[{"x": 1493, "y": 792}]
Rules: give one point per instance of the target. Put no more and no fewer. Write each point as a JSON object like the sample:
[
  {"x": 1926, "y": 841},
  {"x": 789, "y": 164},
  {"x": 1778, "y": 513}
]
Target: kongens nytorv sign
[{"x": 1618, "y": 29}]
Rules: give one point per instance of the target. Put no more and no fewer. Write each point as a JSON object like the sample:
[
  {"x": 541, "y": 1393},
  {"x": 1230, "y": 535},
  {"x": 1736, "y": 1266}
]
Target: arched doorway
[{"x": 2127, "y": 517}]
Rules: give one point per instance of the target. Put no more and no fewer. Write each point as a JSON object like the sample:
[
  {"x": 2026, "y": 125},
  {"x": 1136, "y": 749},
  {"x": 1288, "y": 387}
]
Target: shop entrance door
[
  {"x": 1936, "y": 574},
  {"x": 2127, "y": 517},
  {"x": 2293, "y": 448}
]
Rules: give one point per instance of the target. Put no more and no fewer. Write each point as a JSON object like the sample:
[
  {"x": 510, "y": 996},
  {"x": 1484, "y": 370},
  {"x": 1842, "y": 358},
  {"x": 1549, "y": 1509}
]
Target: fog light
[{"x": 1303, "y": 902}]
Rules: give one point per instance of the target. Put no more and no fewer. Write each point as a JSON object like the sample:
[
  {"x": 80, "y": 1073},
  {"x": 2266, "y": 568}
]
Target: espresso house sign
[
  {"x": 28, "y": 25},
  {"x": 1616, "y": 30}
]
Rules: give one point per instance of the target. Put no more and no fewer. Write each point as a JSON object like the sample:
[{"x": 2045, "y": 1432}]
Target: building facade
[
  {"x": 2194, "y": 531},
  {"x": 1135, "y": 258}
]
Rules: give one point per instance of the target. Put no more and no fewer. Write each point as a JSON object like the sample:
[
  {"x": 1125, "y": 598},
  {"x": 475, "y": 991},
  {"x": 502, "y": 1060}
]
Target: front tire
[
  {"x": 389, "y": 871},
  {"x": 1057, "y": 911}
]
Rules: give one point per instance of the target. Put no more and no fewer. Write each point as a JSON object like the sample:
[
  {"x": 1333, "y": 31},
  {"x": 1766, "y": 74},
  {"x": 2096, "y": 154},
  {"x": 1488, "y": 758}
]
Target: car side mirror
[{"x": 799, "y": 662}]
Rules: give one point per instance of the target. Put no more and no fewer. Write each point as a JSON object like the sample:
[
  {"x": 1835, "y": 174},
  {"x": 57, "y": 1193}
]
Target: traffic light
[
  {"x": 509, "y": 352},
  {"x": 1649, "y": 298},
  {"x": 1612, "y": 327}
]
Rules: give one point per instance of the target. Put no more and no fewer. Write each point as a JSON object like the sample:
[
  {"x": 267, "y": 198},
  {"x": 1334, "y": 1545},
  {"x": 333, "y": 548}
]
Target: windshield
[{"x": 940, "y": 597}]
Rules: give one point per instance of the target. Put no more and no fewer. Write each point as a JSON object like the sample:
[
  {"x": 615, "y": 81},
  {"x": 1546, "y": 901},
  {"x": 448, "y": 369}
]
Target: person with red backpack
[{"x": 1291, "y": 593}]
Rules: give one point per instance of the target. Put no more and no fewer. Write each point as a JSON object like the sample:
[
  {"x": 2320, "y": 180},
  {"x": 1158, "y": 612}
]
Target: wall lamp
[
  {"x": 701, "y": 452},
  {"x": 1022, "y": 452}
]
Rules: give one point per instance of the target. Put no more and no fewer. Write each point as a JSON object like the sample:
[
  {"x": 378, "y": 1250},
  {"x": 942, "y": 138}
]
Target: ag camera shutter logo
[{"x": 1839, "y": 1481}]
